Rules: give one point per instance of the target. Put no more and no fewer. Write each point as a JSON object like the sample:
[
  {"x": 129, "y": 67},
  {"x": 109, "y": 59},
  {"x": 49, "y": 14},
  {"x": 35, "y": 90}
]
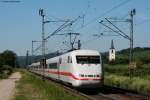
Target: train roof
[
  {"x": 78, "y": 52},
  {"x": 85, "y": 51},
  {"x": 74, "y": 52}
]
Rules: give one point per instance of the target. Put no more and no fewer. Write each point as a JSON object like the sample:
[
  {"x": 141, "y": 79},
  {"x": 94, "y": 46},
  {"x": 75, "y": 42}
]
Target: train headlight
[
  {"x": 97, "y": 75},
  {"x": 81, "y": 75}
]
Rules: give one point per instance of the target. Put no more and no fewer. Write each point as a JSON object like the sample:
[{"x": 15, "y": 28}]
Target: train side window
[
  {"x": 60, "y": 60},
  {"x": 53, "y": 65},
  {"x": 46, "y": 66},
  {"x": 68, "y": 59}
]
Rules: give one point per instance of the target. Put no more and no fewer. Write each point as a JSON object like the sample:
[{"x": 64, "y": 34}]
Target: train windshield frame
[{"x": 84, "y": 59}]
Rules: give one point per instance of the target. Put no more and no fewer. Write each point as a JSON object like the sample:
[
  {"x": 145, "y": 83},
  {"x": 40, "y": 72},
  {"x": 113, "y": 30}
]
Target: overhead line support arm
[
  {"x": 101, "y": 22},
  {"x": 118, "y": 29}
]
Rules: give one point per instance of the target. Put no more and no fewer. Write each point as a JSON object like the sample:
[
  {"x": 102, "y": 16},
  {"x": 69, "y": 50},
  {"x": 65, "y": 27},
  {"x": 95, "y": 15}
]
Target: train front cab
[{"x": 88, "y": 71}]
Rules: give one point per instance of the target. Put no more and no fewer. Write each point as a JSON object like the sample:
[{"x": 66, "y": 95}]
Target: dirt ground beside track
[{"x": 7, "y": 86}]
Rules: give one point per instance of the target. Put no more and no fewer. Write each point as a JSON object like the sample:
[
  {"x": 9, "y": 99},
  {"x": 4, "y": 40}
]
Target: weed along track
[
  {"x": 68, "y": 89},
  {"x": 31, "y": 87},
  {"x": 104, "y": 93}
]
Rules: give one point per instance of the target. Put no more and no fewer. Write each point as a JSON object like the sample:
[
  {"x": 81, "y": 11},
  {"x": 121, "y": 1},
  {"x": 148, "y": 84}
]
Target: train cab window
[
  {"x": 94, "y": 59},
  {"x": 88, "y": 59},
  {"x": 82, "y": 59}
]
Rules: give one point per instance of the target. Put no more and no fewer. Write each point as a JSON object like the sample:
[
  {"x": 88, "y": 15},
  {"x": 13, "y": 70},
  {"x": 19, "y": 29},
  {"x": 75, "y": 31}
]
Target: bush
[
  {"x": 7, "y": 68},
  {"x": 139, "y": 63},
  {"x": 5, "y": 71},
  {"x": 117, "y": 69}
]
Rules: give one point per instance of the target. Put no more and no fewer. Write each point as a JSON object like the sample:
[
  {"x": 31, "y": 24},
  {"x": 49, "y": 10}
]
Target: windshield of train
[{"x": 88, "y": 59}]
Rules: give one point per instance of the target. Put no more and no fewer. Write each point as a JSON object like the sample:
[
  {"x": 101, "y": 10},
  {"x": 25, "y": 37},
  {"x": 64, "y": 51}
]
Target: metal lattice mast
[{"x": 133, "y": 12}]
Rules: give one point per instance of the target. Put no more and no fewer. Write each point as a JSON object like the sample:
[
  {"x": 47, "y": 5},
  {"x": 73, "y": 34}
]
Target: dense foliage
[
  {"x": 8, "y": 58},
  {"x": 7, "y": 63},
  {"x": 141, "y": 56},
  {"x": 123, "y": 70},
  {"x": 35, "y": 58}
]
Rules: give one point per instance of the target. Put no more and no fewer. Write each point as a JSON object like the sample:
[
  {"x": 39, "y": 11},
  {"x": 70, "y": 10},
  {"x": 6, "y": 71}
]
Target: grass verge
[{"x": 31, "y": 87}]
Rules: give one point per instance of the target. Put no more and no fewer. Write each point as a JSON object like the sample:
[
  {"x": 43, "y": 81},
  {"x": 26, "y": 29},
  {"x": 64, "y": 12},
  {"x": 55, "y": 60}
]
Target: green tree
[
  {"x": 8, "y": 58},
  {"x": 1, "y": 61}
]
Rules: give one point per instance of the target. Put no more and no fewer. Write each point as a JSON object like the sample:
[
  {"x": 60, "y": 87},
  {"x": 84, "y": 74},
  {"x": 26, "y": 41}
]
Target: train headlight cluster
[{"x": 82, "y": 75}]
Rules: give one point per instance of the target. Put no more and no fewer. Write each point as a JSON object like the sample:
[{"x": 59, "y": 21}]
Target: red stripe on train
[{"x": 71, "y": 75}]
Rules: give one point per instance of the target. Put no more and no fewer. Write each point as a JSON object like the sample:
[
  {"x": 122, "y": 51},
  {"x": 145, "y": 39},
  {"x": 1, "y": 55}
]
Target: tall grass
[
  {"x": 119, "y": 76},
  {"x": 123, "y": 70},
  {"x": 135, "y": 83},
  {"x": 31, "y": 87}
]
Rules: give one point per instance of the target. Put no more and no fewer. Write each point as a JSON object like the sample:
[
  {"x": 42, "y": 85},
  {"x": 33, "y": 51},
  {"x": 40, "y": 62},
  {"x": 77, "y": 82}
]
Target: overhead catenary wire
[
  {"x": 64, "y": 25},
  {"x": 85, "y": 13},
  {"x": 57, "y": 30},
  {"x": 126, "y": 15},
  {"x": 105, "y": 13},
  {"x": 37, "y": 48},
  {"x": 142, "y": 22},
  {"x": 90, "y": 41}
]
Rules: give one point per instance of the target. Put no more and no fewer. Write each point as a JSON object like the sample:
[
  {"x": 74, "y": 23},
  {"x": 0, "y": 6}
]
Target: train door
[{"x": 58, "y": 68}]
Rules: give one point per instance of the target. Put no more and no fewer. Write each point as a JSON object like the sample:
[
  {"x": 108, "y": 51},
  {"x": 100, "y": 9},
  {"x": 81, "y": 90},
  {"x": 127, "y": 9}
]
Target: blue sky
[{"x": 20, "y": 23}]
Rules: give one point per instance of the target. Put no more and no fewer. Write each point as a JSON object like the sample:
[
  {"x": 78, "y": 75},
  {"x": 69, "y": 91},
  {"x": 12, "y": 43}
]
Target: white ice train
[{"x": 79, "y": 68}]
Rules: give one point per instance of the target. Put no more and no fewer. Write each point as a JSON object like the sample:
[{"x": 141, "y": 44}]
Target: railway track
[
  {"x": 104, "y": 93},
  {"x": 113, "y": 93},
  {"x": 127, "y": 93}
]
